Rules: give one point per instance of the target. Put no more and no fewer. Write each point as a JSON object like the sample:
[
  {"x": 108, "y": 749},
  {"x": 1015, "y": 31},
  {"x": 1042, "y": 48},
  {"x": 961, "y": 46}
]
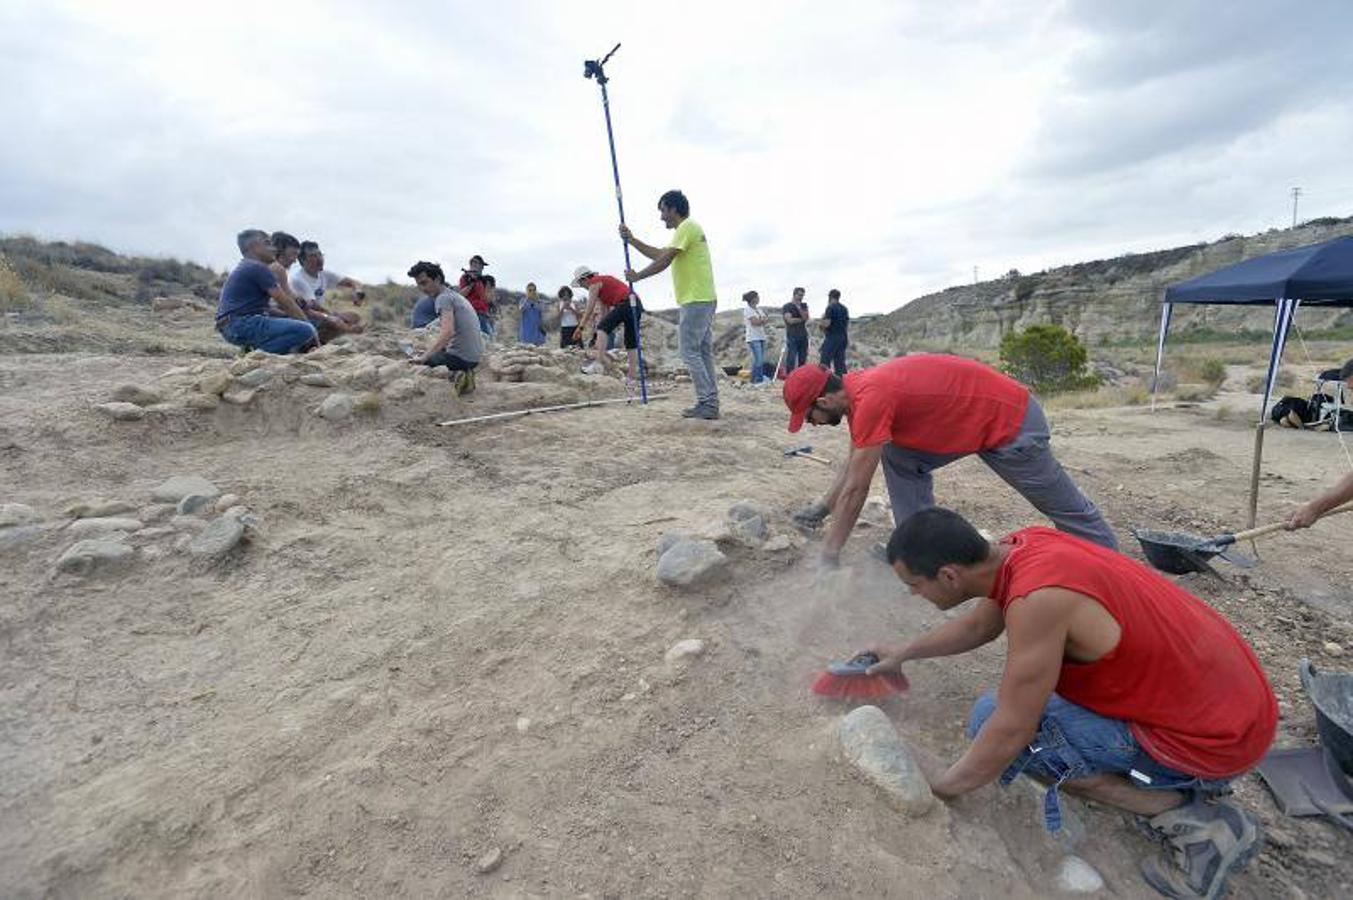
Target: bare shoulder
[{"x": 1042, "y": 607}]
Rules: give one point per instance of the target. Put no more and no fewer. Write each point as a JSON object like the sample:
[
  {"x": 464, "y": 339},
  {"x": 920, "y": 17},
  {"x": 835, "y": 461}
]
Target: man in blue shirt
[
  {"x": 242, "y": 314},
  {"x": 834, "y": 322}
]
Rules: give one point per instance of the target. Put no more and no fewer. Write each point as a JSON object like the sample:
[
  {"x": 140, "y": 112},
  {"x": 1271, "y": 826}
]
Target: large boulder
[
  {"x": 873, "y": 749},
  {"x": 690, "y": 563}
]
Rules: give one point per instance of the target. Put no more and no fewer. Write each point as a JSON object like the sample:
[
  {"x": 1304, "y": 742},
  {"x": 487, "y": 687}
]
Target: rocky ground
[{"x": 254, "y": 647}]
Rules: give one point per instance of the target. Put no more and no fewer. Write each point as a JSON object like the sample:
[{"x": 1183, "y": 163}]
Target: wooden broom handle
[{"x": 1279, "y": 526}]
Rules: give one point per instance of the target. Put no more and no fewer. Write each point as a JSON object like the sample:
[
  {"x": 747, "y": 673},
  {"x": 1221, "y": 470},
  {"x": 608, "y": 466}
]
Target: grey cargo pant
[{"x": 1025, "y": 463}]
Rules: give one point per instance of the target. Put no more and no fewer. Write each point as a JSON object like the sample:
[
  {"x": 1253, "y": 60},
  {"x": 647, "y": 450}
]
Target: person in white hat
[{"x": 606, "y": 311}]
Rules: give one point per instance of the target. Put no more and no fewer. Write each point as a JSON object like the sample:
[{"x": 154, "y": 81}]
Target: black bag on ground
[{"x": 1299, "y": 405}]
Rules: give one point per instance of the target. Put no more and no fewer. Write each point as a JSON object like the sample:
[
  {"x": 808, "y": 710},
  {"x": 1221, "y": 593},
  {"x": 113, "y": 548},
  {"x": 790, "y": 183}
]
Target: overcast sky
[{"x": 885, "y": 148}]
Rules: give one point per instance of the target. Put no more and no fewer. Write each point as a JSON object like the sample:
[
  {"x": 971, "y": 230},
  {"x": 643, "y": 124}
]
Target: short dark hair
[
  {"x": 529, "y": 284},
  {"x": 749, "y": 295},
  {"x": 933, "y": 538},
  {"x": 800, "y": 291},
  {"x": 308, "y": 247},
  {"x": 248, "y": 236},
  {"x": 1346, "y": 371},
  {"x": 280, "y": 241},
  {"x": 430, "y": 269},
  {"x": 490, "y": 281},
  {"x": 833, "y": 294},
  {"x": 675, "y": 200},
  {"x": 566, "y": 291}
]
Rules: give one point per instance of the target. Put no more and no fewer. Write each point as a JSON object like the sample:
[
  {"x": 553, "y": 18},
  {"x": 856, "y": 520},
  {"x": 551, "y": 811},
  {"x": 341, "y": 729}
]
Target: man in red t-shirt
[
  {"x": 473, "y": 288},
  {"x": 920, "y": 412},
  {"x": 1119, "y": 686},
  {"x": 607, "y": 310}
]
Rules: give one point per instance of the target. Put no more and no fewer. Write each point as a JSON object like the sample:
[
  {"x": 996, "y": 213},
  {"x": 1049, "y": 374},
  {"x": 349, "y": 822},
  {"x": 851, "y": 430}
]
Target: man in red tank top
[
  {"x": 608, "y": 309},
  {"x": 1119, "y": 686}
]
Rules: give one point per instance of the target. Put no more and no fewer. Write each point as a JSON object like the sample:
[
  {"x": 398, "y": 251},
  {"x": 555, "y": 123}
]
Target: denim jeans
[
  {"x": 1074, "y": 742},
  {"x": 450, "y": 360},
  {"x": 424, "y": 311},
  {"x": 695, "y": 339},
  {"x": 271, "y": 334},
  {"x": 833, "y": 354},
  {"x": 796, "y": 351},
  {"x": 758, "y": 349}
]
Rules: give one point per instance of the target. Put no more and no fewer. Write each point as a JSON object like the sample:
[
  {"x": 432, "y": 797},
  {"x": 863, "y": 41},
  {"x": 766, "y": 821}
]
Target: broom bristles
[{"x": 860, "y": 687}]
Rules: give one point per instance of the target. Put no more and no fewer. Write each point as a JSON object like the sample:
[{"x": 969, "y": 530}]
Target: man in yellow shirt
[{"x": 693, "y": 282}]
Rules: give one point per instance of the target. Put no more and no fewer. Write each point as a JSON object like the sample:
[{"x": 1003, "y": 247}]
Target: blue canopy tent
[{"x": 1314, "y": 275}]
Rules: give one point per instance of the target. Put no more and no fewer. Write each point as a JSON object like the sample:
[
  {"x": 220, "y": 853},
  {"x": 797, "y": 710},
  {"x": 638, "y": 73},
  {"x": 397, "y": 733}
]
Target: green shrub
[
  {"x": 1047, "y": 358},
  {"x": 1213, "y": 371}
]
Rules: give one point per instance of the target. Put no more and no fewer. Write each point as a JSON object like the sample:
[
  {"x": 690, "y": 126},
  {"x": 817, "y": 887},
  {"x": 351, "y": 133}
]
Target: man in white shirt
[
  {"x": 754, "y": 321},
  {"x": 311, "y": 283}
]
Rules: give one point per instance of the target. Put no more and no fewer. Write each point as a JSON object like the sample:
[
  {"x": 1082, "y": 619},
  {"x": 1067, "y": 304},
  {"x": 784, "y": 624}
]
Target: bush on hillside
[{"x": 1047, "y": 358}]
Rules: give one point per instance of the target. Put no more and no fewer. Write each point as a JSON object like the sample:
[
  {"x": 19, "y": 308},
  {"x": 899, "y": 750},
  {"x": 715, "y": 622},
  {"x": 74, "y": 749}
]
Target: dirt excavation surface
[{"x": 430, "y": 661}]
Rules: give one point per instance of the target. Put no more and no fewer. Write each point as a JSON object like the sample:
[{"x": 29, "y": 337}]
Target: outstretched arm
[
  {"x": 1338, "y": 495},
  {"x": 848, "y": 495},
  {"x": 1036, "y": 629},
  {"x": 982, "y": 625}
]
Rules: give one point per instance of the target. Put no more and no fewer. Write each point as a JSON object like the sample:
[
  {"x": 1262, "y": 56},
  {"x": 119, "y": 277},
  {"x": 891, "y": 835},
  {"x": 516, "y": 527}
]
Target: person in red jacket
[
  {"x": 473, "y": 287},
  {"x": 1119, "y": 686},
  {"x": 917, "y": 413}
]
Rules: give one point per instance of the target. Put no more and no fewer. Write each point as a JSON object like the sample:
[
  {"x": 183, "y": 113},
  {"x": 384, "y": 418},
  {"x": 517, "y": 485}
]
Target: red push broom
[{"x": 850, "y": 680}]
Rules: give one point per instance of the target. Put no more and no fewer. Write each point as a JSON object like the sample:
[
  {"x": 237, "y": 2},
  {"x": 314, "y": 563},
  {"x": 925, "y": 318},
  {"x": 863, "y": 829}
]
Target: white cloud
[{"x": 879, "y": 147}]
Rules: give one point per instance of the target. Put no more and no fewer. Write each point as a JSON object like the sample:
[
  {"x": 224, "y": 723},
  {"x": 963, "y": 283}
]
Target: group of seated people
[{"x": 266, "y": 306}]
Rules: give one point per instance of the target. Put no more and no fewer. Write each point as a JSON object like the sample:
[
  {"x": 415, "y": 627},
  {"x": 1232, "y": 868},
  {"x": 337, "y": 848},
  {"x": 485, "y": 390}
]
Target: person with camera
[{"x": 473, "y": 287}]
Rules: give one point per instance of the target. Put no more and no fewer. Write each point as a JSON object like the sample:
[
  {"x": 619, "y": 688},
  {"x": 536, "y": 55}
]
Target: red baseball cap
[{"x": 803, "y": 386}]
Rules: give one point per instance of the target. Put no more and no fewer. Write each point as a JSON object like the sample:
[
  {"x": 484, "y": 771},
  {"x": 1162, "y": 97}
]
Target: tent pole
[
  {"x": 1254, "y": 473},
  {"x": 1165, "y": 310}
]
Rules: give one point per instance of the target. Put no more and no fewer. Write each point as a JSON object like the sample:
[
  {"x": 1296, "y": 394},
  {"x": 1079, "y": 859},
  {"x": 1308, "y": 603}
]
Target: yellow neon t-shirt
[{"x": 692, "y": 271}]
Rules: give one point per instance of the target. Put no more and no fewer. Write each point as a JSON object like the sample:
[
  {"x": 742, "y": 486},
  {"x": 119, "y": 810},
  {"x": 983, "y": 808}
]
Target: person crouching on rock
[
  {"x": 242, "y": 316},
  {"x": 459, "y": 344},
  {"x": 311, "y": 284},
  {"x": 608, "y": 293},
  {"x": 1119, "y": 686}
]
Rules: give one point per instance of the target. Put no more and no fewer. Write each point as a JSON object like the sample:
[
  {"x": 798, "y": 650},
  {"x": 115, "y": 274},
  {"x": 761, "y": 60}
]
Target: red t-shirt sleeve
[{"x": 871, "y": 420}]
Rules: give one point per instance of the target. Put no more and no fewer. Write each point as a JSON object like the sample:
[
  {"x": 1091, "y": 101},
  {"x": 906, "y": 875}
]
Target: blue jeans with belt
[
  {"x": 1074, "y": 742},
  {"x": 269, "y": 333},
  {"x": 758, "y": 349}
]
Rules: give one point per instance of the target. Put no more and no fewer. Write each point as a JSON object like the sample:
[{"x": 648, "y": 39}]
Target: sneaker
[
  {"x": 690, "y": 412},
  {"x": 1205, "y": 841},
  {"x": 706, "y": 412},
  {"x": 463, "y": 384},
  {"x": 594, "y": 368}
]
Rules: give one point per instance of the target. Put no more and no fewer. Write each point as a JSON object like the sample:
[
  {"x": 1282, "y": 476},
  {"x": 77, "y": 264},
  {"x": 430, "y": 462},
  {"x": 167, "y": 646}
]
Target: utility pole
[
  {"x": 1296, "y": 194},
  {"x": 974, "y": 274}
]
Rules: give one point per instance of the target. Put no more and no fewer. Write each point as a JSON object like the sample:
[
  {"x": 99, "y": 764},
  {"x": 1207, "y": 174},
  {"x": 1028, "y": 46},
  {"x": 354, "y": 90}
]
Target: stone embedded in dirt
[
  {"x": 391, "y": 371},
  {"x": 174, "y": 489},
  {"x": 317, "y": 379},
  {"x": 194, "y": 524},
  {"x": 217, "y": 539},
  {"x": 121, "y": 412},
  {"x": 684, "y": 650},
  {"x": 239, "y": 396},
  {"x": 226, "y": 501},
  {"x": 752, "y": 531},
  {"x": 239, "y": 509},
  {"x": 778, "y": 543},
  {"x": 254, "y": 378},
  {"x": 668, "y": 538},
  {"x": 151, "y": 534},
  {"x": 242, "y": 366},
  {"x": 98, "y": 527},
  {"x": 403, "y": 389},
  {"x": 88, "y": 557},
  {"x": 877, "y": 512},
  {"x": 16, "y": 536},
  {"x": 165, "y": 304},
  {"x": 201, "y": 402},
  {"x": 489, "y": 862},
  {"x": 16, "y": 514},
  {"x": 193, "y": 504},
  {"x": 214, "y": 384},
  {"x": 156, "y": 512},
  {"x": 365, "y": 377},
  {"x": 1076, "y": 876},
  {"x": 336, "y": 407},
  {"x": 523, "y": 725},
  {"x": 1333, "y": 649},
  {"x": 97, "y": 509},
  {"x": 689, "y": 563},
  {"x": 137, "y": 394},
  {"x": 872, "y": 747}
]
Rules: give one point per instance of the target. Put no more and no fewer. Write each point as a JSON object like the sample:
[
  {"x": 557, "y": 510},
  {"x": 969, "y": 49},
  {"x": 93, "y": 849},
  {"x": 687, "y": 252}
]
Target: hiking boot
[
  {"x": 594, "y": 368},
  {"x": 463, "y": 383},
  {"x": 1205, "y": 841},
  {"x": 691, "y": 412},
  {"x": 706, "y": 412}
]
